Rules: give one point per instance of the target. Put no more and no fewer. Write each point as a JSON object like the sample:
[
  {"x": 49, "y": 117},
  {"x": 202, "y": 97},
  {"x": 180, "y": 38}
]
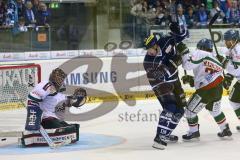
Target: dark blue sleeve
[{"x": 181, "y": 37}]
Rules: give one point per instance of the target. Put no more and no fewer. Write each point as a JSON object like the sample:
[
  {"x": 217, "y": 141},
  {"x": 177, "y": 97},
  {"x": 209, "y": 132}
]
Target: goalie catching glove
[{"x": 78, "y": 98}]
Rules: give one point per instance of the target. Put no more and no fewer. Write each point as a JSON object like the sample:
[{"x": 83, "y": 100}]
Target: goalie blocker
[{"x": 68, "y": 134}]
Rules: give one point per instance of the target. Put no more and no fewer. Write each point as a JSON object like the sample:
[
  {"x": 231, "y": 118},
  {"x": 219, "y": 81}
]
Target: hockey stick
[
  {"x": 50, "y": 142},
  {"x": 214, "y": 18},
  {"x": 43, "y": 132},
  {"x": 185, "y": 71}
]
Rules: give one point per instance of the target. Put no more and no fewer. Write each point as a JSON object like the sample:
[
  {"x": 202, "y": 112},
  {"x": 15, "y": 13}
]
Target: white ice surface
[{"x": 138, "y": 135}]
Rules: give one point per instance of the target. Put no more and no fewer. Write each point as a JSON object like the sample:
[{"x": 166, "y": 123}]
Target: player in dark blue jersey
[{"x": 161, "y": 64}]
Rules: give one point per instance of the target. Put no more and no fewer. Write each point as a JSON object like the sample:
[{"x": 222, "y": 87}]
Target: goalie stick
[{"x": 43, "y": 132}]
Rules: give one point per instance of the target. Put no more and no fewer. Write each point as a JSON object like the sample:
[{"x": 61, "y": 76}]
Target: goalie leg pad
[
  {"x": 31, "y": 139},
  {"x": 51, "y": 123},
  {"x": 33, "y": 120}
]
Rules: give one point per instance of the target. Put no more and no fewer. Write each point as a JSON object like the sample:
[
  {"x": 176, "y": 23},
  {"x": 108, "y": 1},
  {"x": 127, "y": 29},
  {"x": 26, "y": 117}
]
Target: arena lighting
[{"x": 54, "y": 5}]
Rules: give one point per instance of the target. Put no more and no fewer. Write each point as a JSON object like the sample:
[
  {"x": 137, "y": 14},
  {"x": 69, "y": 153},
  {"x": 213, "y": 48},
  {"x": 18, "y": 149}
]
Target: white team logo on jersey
[{"x": 169, "y": 48}]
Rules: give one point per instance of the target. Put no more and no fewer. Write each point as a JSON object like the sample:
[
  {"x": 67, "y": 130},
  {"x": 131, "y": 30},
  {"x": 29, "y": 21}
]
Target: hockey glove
[
  {"x": 228, "y": 78},
  {"x": 177, "y": 60},
  {"x": 78, "y": 98},
  {"x": 187, "y": 79},
  {"x": 182, "y": 49},
  {"x": 222, "y": 60},
  {"x": 175, "y": 28}
]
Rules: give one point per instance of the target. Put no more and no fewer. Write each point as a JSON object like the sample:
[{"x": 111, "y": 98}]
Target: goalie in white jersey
[
  {"x": 46, "y": 101},
  {"x": 208, "y": 77},
  {"x": 232, "y": 65}
]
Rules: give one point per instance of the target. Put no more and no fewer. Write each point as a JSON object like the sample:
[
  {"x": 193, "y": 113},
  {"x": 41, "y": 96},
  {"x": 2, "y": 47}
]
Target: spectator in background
[
  {"x": 223, "y": 6},
  {"x": 202, "y": 16},
  {"x": 210, "y": 4},
  {"x": 43, "y": 18},
  {"x": 137, "y": 8},
  {"x": 150, "y": 14},
  {"x": 12, "y": 13},
  {"x": 20, "y": 8},
  {"x": 186, "y": 4},
  {"x": 20, "y": 27},
  {"x": 35, "y": 6},
  {"x": 172, "y": 10},
  {"x": 190, "y": 17},
  {"x": 160, "y": 16},
  {"x": 181, "y": 18},
  {"x": 29, "y": 15},
  {"x": 234, "y": 13},
  {"x": 2, "y": 12},
  {"x": 214, "y": 10},
  {"x": 73, "y": 34},
  {"x": 152, "y": 3},
  {"x": 138, "y": 11}
]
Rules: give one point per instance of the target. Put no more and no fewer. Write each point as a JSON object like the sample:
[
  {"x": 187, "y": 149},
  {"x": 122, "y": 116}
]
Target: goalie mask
[
  {"x": 205, "y": 45},
  {"x": 231, "y": 38},
  {"x": 57, "y": 78}
]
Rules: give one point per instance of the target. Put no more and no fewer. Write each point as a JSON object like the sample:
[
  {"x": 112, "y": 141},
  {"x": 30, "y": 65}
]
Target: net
[{"x": 15, "y": 83}]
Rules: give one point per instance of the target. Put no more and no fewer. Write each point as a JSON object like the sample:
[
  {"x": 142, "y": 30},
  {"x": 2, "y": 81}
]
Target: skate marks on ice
[{"x": 87, "y": 141}]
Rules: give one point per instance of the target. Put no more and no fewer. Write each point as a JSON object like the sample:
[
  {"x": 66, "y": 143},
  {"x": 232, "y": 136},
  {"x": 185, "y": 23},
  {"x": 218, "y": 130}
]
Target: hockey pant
[
  {"x": 209, "y": 99},
  {"x": 234, "y": 98},
  {"x": 173, "y": 104}
]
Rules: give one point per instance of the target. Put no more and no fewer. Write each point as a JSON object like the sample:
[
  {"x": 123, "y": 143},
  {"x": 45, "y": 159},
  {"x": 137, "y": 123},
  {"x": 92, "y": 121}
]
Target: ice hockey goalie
[{"x": 45, "y": 108}]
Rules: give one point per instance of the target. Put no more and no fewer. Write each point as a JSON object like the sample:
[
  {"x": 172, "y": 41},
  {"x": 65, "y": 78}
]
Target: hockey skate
[
  {"x": 191, "y": 136},
  {"x": 160, "y": 142},
  {"x": 172, "y": 139},
  {"x": 225, "y": 132}
]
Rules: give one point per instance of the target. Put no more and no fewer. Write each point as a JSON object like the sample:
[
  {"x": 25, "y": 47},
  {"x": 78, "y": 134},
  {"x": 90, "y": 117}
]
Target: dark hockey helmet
[
  {"x": 150, "y": 41},
  {"x": 57, "y": 78},
  {"x": 205, "y": 45},
  {"x": 231, "y": 35}
]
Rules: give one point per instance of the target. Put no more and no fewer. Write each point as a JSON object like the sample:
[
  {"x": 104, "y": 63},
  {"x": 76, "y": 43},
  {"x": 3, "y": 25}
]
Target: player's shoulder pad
[
  {"x": 197, "y": 56},
  {"x": 236, "y": 49},
  {"x": 43, "y": 89},
  {"x": 38, "y": 93},
  {"x": 50, "y": 89}
]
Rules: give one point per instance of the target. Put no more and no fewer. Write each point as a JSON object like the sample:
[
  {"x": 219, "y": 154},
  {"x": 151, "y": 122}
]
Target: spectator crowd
[
  {"x": 22, "y": 14},
  {"x": 192, "y": 13}
]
